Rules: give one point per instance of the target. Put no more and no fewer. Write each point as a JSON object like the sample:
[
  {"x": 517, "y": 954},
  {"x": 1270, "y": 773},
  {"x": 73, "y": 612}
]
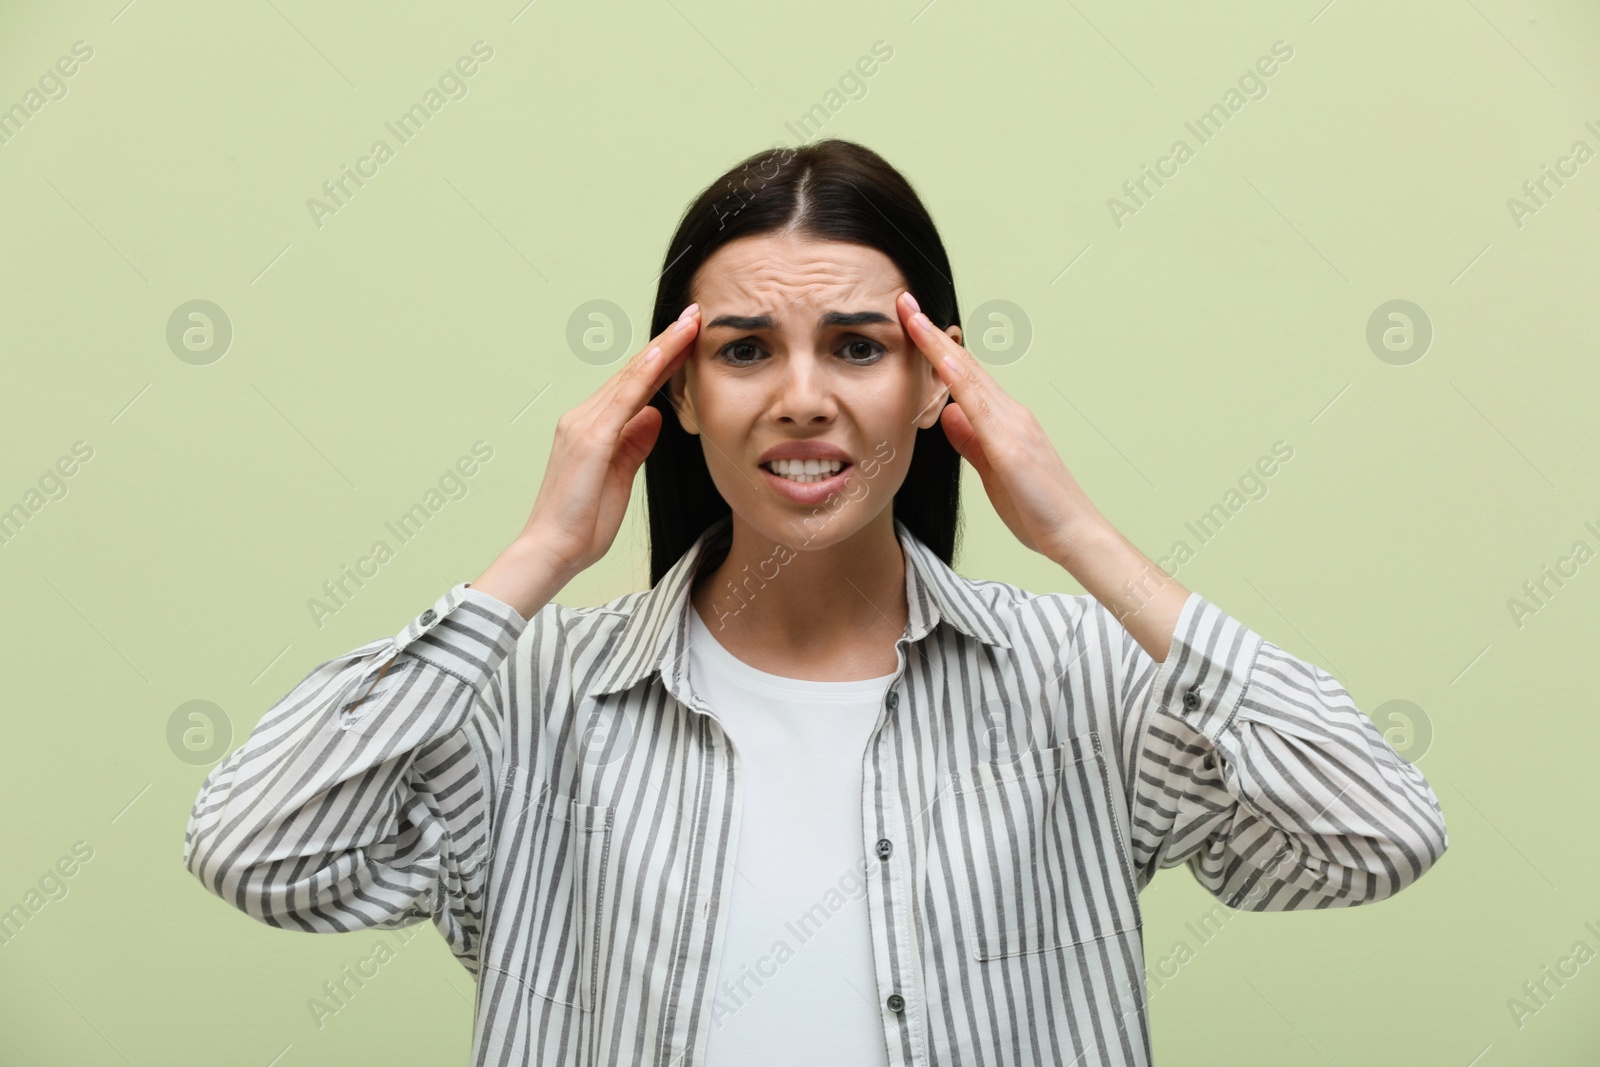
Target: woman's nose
[{"x": 806, "y": 388}]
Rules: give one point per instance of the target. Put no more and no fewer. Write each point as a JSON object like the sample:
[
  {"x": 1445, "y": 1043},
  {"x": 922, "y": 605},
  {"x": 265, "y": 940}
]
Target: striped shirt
[{"x": 563, "y": 807}]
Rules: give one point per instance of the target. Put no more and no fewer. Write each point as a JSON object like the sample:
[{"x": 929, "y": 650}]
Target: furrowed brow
[
  {"x": 855, "y": 318},
  {"x": 742, "y": 322},
  {"x": 829, "y": 319}
]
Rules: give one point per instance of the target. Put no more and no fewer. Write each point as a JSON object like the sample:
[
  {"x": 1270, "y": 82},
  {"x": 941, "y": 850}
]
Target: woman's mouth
[{"x": 807, "y": 481}]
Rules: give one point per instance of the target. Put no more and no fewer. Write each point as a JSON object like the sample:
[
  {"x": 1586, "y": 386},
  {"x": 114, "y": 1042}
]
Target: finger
[
  {"x": 630, "y": 388},
  {"x": 969, "y": 383},
  {"x": 659, "y": 358}
]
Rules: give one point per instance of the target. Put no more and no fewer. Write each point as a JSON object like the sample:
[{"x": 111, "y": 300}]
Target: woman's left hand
[{"x": 1025, "y": 478}]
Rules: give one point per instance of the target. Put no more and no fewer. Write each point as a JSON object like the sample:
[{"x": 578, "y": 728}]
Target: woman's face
[{"x": 801, "y": 349}]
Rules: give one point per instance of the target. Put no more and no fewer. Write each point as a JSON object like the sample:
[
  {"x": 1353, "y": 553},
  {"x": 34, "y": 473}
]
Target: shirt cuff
[
  {"x": 1208, "y": 667},
  {"x": 467, "y": 633}
]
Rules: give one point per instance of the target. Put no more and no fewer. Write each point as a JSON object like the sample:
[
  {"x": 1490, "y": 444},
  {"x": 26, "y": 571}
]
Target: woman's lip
[{"x": 808, "y": 492}]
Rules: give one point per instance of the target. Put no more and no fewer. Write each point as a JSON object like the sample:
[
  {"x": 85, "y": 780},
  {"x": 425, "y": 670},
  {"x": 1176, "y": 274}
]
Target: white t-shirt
[{"x": 796, "y": 983}]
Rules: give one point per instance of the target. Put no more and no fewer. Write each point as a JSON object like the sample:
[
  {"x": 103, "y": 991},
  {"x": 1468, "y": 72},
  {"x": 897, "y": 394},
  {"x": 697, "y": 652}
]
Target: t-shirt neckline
[{"x": 705, "y": 640}]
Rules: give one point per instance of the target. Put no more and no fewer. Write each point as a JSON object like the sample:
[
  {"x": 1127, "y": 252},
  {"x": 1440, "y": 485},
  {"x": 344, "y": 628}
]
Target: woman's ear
[
  {"x": 937, "y": 390},
  {"x": 677, "y": 390}
]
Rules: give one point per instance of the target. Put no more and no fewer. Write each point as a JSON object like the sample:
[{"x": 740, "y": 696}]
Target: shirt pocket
[
  {"x": 1040, "y": 861},
  {"x": 548, "y": 888}
]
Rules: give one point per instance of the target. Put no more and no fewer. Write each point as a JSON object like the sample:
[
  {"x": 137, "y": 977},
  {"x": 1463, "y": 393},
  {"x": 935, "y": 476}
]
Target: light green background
[{"x": 1228, "y": 313}]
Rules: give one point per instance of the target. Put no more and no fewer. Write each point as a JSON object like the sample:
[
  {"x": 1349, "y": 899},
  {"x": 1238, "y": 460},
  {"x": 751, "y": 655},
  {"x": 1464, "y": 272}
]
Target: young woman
[{"x": 813, "y": 797}]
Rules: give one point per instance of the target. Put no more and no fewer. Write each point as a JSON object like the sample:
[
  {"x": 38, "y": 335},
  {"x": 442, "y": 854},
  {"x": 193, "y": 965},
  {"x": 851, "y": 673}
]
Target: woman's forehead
[{"x": 769, "y": 272}]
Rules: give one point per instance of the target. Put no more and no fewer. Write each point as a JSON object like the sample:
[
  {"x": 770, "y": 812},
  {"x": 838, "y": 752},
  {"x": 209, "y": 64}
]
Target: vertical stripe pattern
[{"x": 555, "y": 798}]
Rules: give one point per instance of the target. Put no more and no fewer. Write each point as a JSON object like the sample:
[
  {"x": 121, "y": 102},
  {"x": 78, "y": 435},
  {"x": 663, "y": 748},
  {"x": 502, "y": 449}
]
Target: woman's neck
[{"x": 822, "y": 614}]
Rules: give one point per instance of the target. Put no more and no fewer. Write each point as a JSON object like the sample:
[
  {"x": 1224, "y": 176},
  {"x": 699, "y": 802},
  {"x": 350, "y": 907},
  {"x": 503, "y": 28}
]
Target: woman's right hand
[{"x": 598, "y": 448}]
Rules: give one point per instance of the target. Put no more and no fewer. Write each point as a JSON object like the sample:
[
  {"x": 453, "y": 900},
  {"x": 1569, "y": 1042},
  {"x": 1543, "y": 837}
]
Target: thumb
[
  {"x": 637, "y": 439},
  {"x": 958, "y": 428}
]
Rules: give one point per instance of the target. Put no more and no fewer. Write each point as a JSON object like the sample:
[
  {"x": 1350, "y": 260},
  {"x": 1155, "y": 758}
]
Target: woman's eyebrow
[{"x": 831, "y": 318}]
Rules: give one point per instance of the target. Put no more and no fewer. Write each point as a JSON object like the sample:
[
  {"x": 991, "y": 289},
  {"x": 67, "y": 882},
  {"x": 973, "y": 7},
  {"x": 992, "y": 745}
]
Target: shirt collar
[{"x": 656, "y": 635}]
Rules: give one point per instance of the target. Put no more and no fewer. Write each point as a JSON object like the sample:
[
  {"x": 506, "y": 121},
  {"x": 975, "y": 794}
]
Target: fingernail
[
  {"x": 915, "y": 307},
  {"x": 922, "y": 320},
  {"x": 650, "y": 356},
  {"x": 688, "y": 312}
]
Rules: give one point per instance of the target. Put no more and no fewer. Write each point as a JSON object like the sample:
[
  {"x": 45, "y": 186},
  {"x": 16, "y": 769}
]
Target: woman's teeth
[{"x": 805, "y": 470}]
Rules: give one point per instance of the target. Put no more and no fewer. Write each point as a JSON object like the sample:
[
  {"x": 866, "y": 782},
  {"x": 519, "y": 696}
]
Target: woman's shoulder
[
  {"x": 1002, "y": 598},
  {"x": 1027, "y": 616},
  {"x": 613, "y": 612}
]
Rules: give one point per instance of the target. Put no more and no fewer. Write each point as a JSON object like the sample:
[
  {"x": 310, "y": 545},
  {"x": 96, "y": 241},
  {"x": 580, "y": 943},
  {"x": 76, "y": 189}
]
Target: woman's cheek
[{"x": 869, "y": 467}]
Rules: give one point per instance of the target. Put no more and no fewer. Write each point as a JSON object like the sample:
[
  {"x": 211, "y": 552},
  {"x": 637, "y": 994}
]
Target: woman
[{"x": 813, "y": 797}]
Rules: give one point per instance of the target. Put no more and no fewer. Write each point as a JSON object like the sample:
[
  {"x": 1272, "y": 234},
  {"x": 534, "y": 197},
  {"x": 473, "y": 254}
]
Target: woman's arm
[
  {"x": 365, "y": 796},
  {"x": 1253, "y": 766},
  {"x": 362, "y": 798},
  {"x": 1258, "y": 770},
  {"x": 1137, "y": 593}
]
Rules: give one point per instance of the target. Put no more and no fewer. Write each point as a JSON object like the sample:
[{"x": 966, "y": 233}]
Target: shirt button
[
  {"x": 428, "y": 617},
  {"x": 896, "y": 1002},
  {"x": 894, "y": 699},
  {"x": 1191, "y": 699},
  {"x": 884, "y": 848}
]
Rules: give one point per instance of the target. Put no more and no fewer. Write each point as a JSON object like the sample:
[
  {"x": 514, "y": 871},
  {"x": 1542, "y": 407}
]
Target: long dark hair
[{"x": 831, "y": 190}]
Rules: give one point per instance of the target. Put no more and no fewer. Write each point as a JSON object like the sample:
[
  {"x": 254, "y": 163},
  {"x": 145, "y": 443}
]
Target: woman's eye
[
  {"x": 727, "y": 352},
  {"x": 862, "y": 350},
  {"x": 859, "y": 350}
]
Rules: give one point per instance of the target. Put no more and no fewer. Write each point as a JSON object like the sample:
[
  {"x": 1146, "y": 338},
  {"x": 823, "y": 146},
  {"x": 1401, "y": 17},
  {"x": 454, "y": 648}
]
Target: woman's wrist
[
  {"x": 527, "y": 576},
  {"x": 1135, "y": 590}
]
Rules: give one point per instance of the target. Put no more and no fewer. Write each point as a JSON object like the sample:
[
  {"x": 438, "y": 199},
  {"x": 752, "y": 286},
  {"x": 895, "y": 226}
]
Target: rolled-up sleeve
[
  {"x": 362, "y": 798},
  {"x": 1257, "y": 769}
]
